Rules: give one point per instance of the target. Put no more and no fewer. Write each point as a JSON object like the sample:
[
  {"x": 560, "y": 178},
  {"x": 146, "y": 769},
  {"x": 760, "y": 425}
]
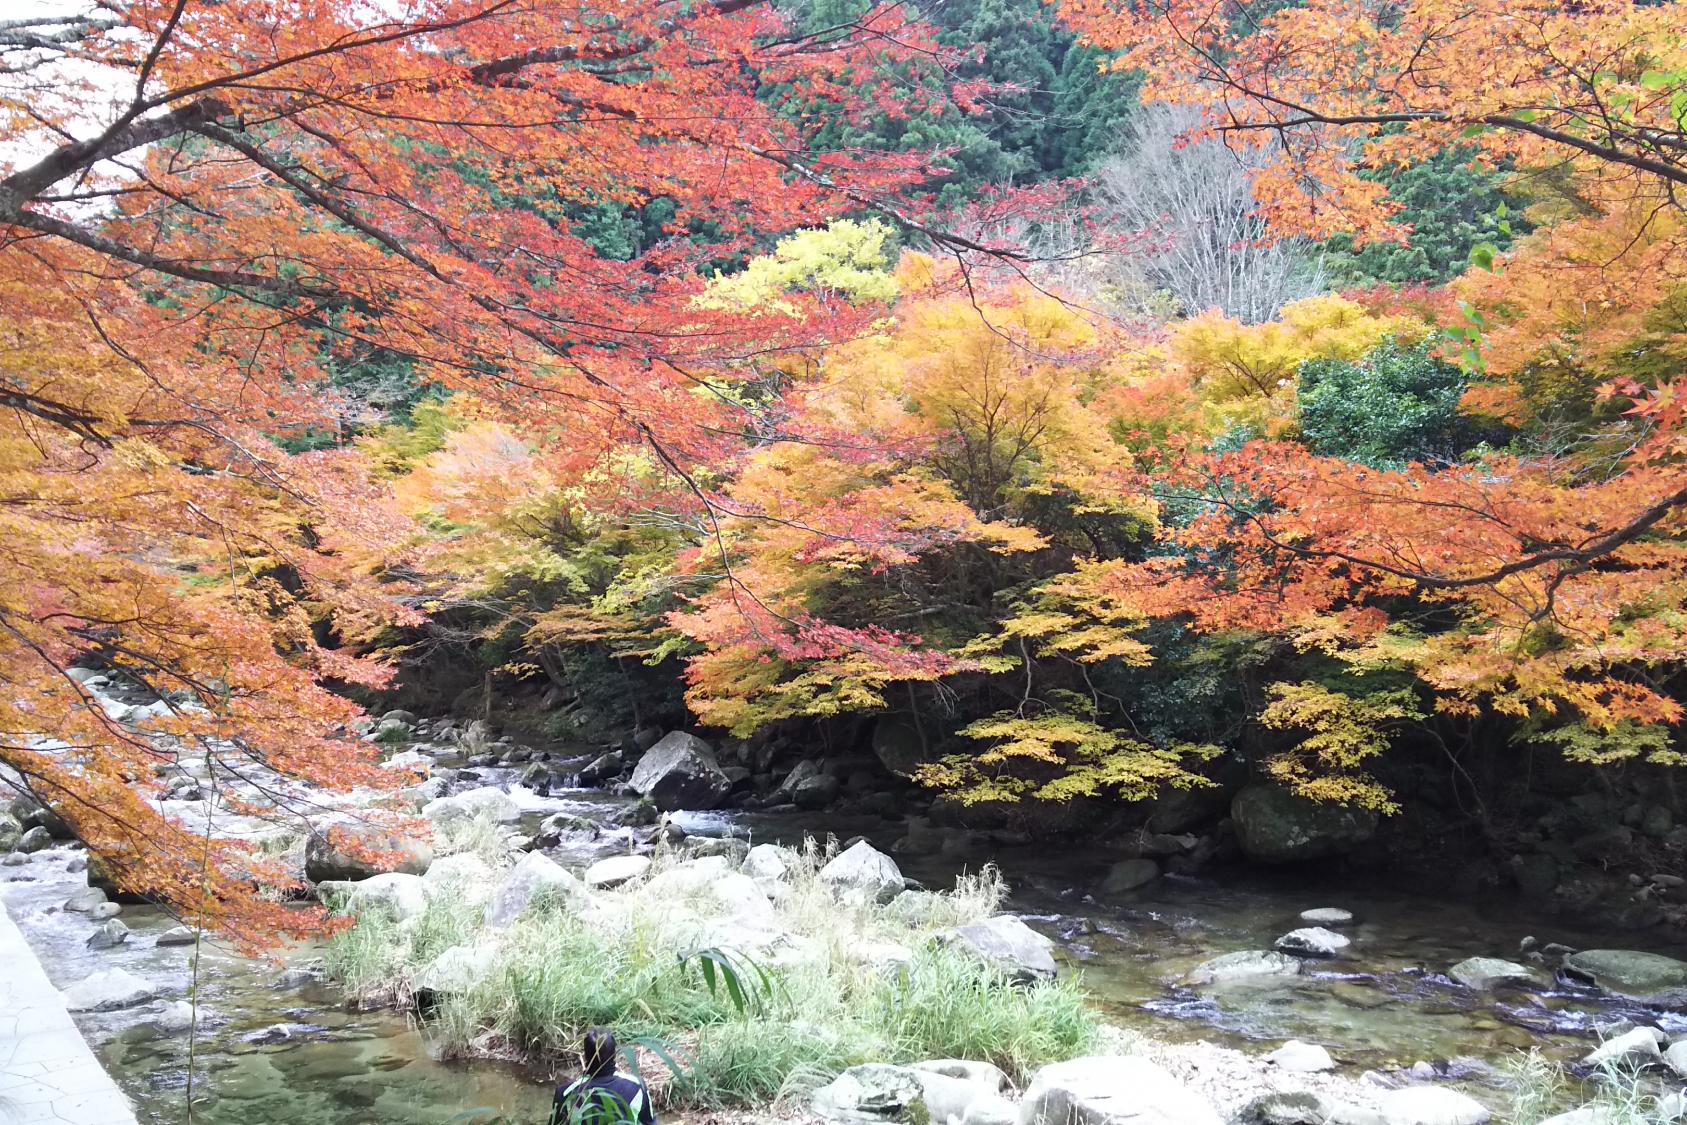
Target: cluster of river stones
[{"x": 679, "y": 771}]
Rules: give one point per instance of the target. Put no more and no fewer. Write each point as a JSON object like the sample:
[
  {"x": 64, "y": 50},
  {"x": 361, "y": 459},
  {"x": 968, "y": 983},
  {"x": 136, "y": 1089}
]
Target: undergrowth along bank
[{"x": 823, "y": 981}]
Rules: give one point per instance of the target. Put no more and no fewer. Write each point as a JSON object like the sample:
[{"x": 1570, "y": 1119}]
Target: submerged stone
[
  {"x": 1248, "y": 963},
  {"x": 1648, "y": 977}
]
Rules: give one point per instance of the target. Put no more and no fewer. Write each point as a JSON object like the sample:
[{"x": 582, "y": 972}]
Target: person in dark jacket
[{"x": 600, "y": 1096}]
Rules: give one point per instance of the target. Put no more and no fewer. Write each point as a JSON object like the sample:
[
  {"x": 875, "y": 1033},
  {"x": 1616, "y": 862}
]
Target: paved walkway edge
[{"x": 48, "y": 1076}]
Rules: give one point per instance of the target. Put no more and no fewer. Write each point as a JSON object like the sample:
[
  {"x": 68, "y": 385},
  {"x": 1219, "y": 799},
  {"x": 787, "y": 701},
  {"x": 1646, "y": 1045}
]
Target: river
[{"x": 272, "y": 1054}]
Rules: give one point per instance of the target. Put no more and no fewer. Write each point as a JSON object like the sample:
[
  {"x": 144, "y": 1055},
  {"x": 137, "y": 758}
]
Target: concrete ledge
[{"x": 47, "y": 1073}]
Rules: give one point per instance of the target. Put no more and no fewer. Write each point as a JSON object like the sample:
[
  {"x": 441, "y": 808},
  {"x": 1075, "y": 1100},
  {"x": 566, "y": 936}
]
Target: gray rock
[
  {"x": 616, "y": 870},
  {"x": 1485, "y": 972},
  {"x": 1640, "y": 1046},
  {"x": 1008, "y": 943},
  {"x": 768, "y": 861},
  {"x": 1122, "y": 1090},
  {"x": 1586, "y": 1115},
  {"x": 816, "y": 792},
  {"x": 1249, "y": 963},
  {"x": 1301, "y": 1058},
  {"x": 14, "y": 859},
  {"x": 108, "y": 991},
  {"x": 1676, "y": 1058},
  {"x": 458, "y": 969},
  {"x": 84, "y": 902},
  {"x": 603, "y": 767},
  {"x": 389, "y": 730},
  {"x": 408, "y": 718},
  {"x": 864, "y": 870},
  {"x": 729, "y": 848},
  {"x": 680, "y": 772},
  {"x": 1312, "y": 941},
  {"x": 464, "y": 874},
  {"x": 397, "y": 895},
  {"x": 177, "y": 935},
  {"x": 944, "y": 1090},
  {"x": 873, "y": 1092},
  {"x": 1129, "y": 874},
  {"x": 105, "y": 910},
  {"x": 1276, "y": 826},
  {"x": 109, "y": 935},
  {"x": 986, "y": 1076},
  {"x": 1289, "y": 1107},
  {"x": 178, "y": 1015},
  {"x": 11, "y": 831},
  {"x": 799, "y": 773},
  {"x": 34, "y": 840},
  {"x": 1648, "y": 977},
  {"x": 990, "y": 1109},
  {"x": 898, "y": 745},
  {"x": 325, "y": 862},
  {"x": 1429, "y": 1105},
  {"x": 485, "y": 801},
  {"x": 535, "y": 879},
  {"x": 295, "y": 978},
  {"x": 1329, "y": 917}
]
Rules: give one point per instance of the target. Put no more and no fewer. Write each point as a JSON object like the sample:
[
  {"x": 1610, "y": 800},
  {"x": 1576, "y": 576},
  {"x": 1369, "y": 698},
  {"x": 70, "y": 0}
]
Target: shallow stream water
[{"x": 269, "y": 1055}]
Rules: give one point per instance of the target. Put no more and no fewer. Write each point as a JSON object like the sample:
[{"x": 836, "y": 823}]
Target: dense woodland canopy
[{"x": 840, "y": 360}]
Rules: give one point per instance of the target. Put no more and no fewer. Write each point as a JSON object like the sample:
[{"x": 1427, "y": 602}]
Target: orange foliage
[{"x": 199, "y": 202}]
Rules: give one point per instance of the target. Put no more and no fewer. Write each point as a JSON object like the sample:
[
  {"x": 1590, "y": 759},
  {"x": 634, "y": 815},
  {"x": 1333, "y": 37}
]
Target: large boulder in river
[
  {"x": 533, "y": 880},
  {"x": 108, "y": 991},
  {"x": 1009, "y": 944},
  {"x": 1111, "y": 1090},
  {"x": 360, "y": 851},
  {"x": 863, "y": 869},
  {"x": 680, "y": 772},
  {"x": 10, "y": 831},
  {"x": 1650, "y": 978},
  {"x": 486, "y": 801},
  {"x": 1276, "y": 826}
]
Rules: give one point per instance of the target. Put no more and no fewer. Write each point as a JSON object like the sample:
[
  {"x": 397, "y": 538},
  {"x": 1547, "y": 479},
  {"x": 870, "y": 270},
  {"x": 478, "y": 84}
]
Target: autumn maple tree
[{"x": 205, "y": 208}]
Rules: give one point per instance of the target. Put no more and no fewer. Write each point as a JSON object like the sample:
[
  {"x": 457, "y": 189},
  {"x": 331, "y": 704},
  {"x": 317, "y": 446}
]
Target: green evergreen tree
[{"x": 1451, "y": 206}]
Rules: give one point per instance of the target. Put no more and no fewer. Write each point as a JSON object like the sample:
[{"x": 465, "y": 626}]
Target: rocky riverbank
[{"x": 1323, "y": 1007}]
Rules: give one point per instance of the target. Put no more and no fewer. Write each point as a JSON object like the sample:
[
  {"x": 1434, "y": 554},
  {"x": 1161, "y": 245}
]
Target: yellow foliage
[
  {"x": 1246, "y": 372},
  {"x": 1340, "y": 733},
  {"x": 1068, "y": 754},
  {"x": 844, "y": 258}
]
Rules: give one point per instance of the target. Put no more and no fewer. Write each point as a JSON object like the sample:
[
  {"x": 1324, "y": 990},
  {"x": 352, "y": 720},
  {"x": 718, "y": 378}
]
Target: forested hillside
[{"x": 1027, "y": 381}]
